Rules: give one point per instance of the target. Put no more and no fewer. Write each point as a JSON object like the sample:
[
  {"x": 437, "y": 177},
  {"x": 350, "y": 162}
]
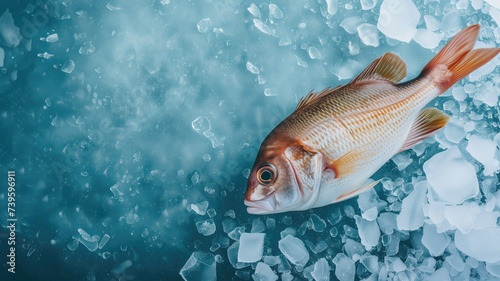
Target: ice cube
[
  {"x": 493, "y": 3},
  {"x": 387, "y": 222},
  {"x": 368, "y": 34},
  {"x": 354, "y": 249},
  {"x": 369, "y": 232},
  {"x": 435, "y": 242},
  {"x": 232, "y": 256},
  {"x": 368, "y": 4},
  {"x": 258, "y": 225},
  {"x": 199, "y": 266},
  {"x": 482, "y": 245},
  {"x": 206, "y": 227},
  {"x": 264, "y": 273},
  {"x": 254, "y": 10},
  {"x": 251, "y": 247},
  {"x": 441, "y": 274},
  {"x": 332, "y": 6},
  {"x": 398, "y": 19},
  {"x": 412, "y": 216},
  {"x": 9, "y": 32},
  {"x": 201, "y": 124},
  {"x": 427, "y": 38},
  {"x": 370, "y": 263},
  {"x": 68, "y": 66},
  {"x": 52, "y": 38},
  {"x": 432, "y": 23},
  {"x": 454, "y": 131},
  {"x": 441, "y": 170},
  {"x": 314, "y": 53},
  {"x": 351, "y": 24},
  {"x": 402, "y": 160},
  {"x": 294, "y": 250},
  {"x": 252, "y": 68},
  {"x": 203, "y": 25},
  {"x": 462, "y": 216},
  {"x": 488, "y": 94},
  {"x": 483, "y": 150},
  {"x": 121, "y": 267},
  {"x": 103, "y": 241},
  {"x": 493, "y": 268},
  {"x": 275, "y": 12},
  {"x": 318, "y": 224},
  {"x": 262, "y": 27},
  {"x": 200, "y": 208},
  {"x": 344, "y": 267},
  {"x": 321, "y": 270}
]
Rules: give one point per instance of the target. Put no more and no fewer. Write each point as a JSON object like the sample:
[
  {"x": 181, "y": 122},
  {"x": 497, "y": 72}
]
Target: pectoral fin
[
  {"x": 428, "y": 122},
  {"x": 349, "y": 162},
  {"x": 351, "y": 193}
]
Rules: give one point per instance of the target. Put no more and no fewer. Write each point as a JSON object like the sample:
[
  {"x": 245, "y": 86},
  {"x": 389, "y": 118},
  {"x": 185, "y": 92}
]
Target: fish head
[
  {"x": 288, "y": 181},
  {"x": 272, "y": 186}
]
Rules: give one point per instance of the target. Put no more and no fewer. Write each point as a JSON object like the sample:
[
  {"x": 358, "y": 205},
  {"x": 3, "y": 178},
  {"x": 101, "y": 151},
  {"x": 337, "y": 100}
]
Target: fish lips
[{"x": 263, "y": 206}]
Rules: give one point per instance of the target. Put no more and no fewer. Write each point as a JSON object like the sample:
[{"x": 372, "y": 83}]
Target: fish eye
[{"x": 266, "y": 174}]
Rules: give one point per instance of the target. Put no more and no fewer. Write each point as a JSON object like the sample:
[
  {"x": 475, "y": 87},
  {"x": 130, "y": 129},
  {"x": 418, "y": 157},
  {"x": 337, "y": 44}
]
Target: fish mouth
[{"x": 263, "y": 206}]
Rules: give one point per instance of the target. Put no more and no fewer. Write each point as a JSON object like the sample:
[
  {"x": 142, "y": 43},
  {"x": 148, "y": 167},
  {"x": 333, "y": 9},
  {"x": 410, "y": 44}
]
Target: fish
[{"x": 335, "y": 140}]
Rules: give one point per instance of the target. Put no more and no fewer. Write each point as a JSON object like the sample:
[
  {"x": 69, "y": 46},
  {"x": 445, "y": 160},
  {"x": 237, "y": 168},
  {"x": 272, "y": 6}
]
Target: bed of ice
[{"x": 132, "y": 126}]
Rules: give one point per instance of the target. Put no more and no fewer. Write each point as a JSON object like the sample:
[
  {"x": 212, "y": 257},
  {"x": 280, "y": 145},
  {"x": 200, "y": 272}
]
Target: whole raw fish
[{"x": 327, "y": 149}]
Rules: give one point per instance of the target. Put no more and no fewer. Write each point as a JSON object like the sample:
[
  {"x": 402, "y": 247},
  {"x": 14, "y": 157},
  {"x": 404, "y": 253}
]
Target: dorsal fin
[
  {"x": 387, "y": 67},
  {"x": 312, "y": 97}
]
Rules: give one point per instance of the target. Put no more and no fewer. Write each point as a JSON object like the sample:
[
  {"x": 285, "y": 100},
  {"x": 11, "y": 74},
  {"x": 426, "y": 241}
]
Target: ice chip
[
  {"x": 200, "y": 266},
  {"x": 493, "y": 3},
  {"x": 368, "y": 4},
  {"x": 232, "y": 256},
  {"x": 204, "y": 25},
  {"x": 200, "y": 208},
  {"x": 412, "y": 216},
  {"x": 252, "y": 68},
  {"x": 442, "y": 170},
  {"x": 254, "y": 10},
  {"x": 68, "y": 66},
  {"x": 435, "y": 242},
  {"x": 398, "y": 19},
  {"x": 344, "y": 267},
  {"x": 321, "y": 270},
  {"x": 52, "y": 38},
  {"x": 369, "y": 232},
  {"x": 317, "y": 224},
  {"x": 87, "y": 48},
  {"x": 332, "y": 6},
  {"x": 483, "y": 150},
  {"x": 121, "y": 267},
  {"x": 264, "y": 273},
  {"x": 206, "y": 227},
  {"x": 201, "y": 124},
  {"x": 314, "y": 53},
  {"x": 351, "y": 24},
  {"x": 294, "y": 250},
  {"x": 432, "y": 23},
  {"x": 488, "y": 93},
  {"x": 251, "y": 247},
  {"x": 462, "y": 216},
  {"x": 427, "y": 38},
  {"x": 262, "y": 27},
  {"x": 482, "y": 245},
  {"x": 103, "y": 241},
  {"x": 275, "y": 12},
  {"x": 368, "y": 34},
  {"x": 10, "y": 36}
]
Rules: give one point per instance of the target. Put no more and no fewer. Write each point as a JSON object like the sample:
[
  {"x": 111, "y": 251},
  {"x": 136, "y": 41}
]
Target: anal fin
[
  {"x": 428, "y": 122},
  {"x": 364, "y": 187}
]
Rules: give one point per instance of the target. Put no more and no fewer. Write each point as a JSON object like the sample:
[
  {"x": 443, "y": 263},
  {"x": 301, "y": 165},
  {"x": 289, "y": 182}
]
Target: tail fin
[{"x": 457, "y": 59}]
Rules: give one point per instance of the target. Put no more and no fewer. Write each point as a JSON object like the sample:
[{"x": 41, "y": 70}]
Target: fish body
[{"x": 328, "y": 148}]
